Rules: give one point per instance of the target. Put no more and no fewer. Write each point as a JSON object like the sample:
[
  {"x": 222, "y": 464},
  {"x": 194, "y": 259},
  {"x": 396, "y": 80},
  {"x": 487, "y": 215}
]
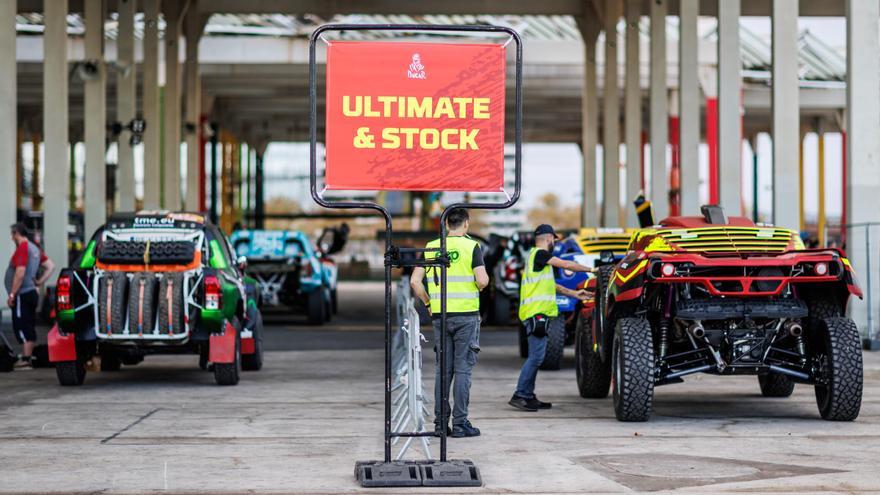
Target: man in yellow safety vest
[
  {"x": 465, "y": 278},
  {"x": 537, "y": 306}
]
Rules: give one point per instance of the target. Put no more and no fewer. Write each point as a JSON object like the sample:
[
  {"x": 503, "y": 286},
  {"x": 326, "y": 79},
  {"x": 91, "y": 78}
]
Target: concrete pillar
[
  {"x": 172, "y": 105},
  {"x": 863, "y": 151},
  {"x": 8, "y": 124},
  {"x": 632, "y": 103},
  {"x": 126, "y": 103},
  {"x": 590, "y": 124},
  {"x": 689, "y": 107},
  {"x": 193, "y": 107},
  {"x": 659, "y": 110},
  {"x": 729, "y": 94},
  {"x": 786, "y": 113},
  {"x": 820, "y": 172},
  {"x": 55, "y": 131},
  {"x": 611, "y": 118},
  {"x": 95, "y": 197},
  {"x": 150, "y": 105},
  {"x": 259, "y": 192}
]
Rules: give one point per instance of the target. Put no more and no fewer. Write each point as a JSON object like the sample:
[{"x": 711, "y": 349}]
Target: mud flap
[
  {"x": 221, "y": 347},
  {"x": 61, "y": 347},
  {"x": 247, "y": 343}
]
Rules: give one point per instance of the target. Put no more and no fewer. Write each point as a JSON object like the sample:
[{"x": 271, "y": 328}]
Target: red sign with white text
[{"x": 415, "y": 116}]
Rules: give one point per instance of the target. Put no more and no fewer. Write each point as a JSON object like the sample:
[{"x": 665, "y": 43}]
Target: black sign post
[{"x": 440, "y": 472}]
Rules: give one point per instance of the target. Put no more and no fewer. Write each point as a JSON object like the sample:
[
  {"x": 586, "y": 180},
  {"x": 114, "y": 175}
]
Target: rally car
[
  {"x": 593, "y": 247},
  {"x": 289, "y": 271},
  {"x": 156, "y": 283},
  {"x": 719, "y": 295}
]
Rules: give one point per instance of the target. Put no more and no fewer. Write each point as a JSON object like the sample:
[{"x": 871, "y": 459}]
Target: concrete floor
[{"x": 299, "y": 426}]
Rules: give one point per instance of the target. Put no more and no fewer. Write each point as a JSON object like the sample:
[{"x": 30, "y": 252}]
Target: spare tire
[
  {"x": 142, "y": 303},
  {"x": 170, "y": 306},
  {"x": 112, "y": 291}
]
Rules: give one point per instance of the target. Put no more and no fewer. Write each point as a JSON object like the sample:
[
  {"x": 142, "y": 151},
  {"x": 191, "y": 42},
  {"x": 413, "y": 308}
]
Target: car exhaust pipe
[
  {"x": 697, "y": 330},
  {"x": 794, "y": 329}
]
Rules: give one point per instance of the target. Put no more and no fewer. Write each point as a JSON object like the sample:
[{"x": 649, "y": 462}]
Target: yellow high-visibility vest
[
  {"x": 462, "y": 294},
  {"x": 537, "y": 291}
]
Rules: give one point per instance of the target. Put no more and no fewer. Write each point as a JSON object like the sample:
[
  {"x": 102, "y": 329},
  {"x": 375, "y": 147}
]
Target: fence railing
[
  {"x": 862, "y": 248},
  {"x": 409, "y": 411}
]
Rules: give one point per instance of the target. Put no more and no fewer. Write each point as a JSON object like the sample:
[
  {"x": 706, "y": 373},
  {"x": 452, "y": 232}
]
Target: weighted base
[
  {"x": 451, "y": 473},
  {"x": 871, "y": 344},
  {"x": 379, "y": 474}
]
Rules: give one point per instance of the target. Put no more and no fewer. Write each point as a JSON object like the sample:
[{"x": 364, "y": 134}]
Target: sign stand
[{"x": 442, "y": 471}]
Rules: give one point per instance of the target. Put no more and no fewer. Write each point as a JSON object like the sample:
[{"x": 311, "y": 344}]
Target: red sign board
[{"x": 415, "y": 116}]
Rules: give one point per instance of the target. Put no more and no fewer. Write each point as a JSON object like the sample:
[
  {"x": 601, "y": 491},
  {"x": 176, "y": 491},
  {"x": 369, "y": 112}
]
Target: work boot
[
  {"x": 522, "y": 404},
  {"x": 465, "y": 429},
  {"x": 437, "y": 429},
  {"x": 538, "y": 404}
]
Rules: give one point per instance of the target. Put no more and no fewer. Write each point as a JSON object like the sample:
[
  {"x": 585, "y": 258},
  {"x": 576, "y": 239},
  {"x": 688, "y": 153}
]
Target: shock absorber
[
  {"x": 664, "y": 336},
  {"x": 665, "y": 321}
]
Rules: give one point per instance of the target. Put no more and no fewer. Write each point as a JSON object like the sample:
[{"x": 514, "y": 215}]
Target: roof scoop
[{"x": 714, "y": 214}]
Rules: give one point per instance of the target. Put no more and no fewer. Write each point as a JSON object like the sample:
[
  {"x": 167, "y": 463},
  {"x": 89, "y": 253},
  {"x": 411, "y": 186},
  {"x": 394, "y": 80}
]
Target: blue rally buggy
[
  {"x": 290, "y": 271},
  {"x": 590, "y": 247}
]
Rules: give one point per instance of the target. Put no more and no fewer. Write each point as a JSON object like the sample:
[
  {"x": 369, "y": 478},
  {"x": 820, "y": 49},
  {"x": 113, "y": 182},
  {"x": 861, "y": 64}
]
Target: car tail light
[
  {"x": 820, "y": 269},
  {"x": 510, "y": 269},
  {"x": 667, "y": 269},
  {"x": 62, "y": 293},
  {"x": 213, "y": 299},
  {"x": 306, "y": 268}
]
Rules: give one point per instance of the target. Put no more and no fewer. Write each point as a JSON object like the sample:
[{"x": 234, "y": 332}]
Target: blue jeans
[
  {"x": 462, "y": 347},
  {"x": 525, "y": 386}
]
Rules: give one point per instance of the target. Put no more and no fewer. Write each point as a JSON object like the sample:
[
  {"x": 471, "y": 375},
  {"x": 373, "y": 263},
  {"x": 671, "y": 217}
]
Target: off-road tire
[
  {"x": 149, "y": 303},
  {"x": 328, "y": 305},
  {"x": 110, "y": 362},
  {"x": 315, "y": 307},
  {"x": 70, "y": 373},
  {"x": 603, "y": 279},
  {"x": 523, "y": 341},
  {"x": 170, "y": 306},
  {"x": 632, "y": 369},
  {"x": 500, "y": 309},
  {"x": 229, "y": 373},
  {"x": 7, "y": 359},
  {"x": 555, "y": 344},
  {"x": 334, "y": 301},
  {"x": 203, "y": 357},
  {"x": 839, "y": 391},
  {"x": 593, "y": 373},
  {"x": 112, "y": 287},
  {"x": 254, "y": 362},
  {"x": 775, "y": 385}
]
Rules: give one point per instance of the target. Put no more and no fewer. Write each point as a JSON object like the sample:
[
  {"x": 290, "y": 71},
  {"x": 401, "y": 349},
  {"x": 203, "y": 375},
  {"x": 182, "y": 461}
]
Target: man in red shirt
[{"x": 23, "y": 279}]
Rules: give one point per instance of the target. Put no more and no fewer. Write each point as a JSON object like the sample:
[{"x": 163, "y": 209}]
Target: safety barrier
[{"x": 409, "y": 413}]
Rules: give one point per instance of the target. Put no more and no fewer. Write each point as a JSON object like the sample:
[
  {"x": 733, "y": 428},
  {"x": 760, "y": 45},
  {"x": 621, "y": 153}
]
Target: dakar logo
[
  {"x": 453, "y": 255},
  {"x": 416, "y": 69}
]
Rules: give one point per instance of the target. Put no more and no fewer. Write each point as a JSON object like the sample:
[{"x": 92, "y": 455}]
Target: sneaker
[
  {"x": 24, "y": 365},
  {"x": 465, "y": 430},
  {"x": 437, "y": 430},
  {"x": 538, "y": 404},
  {"x": 522, "y": 404}
]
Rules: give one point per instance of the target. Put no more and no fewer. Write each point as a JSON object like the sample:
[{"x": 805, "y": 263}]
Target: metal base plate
[{"x": 378, "y": 474}]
